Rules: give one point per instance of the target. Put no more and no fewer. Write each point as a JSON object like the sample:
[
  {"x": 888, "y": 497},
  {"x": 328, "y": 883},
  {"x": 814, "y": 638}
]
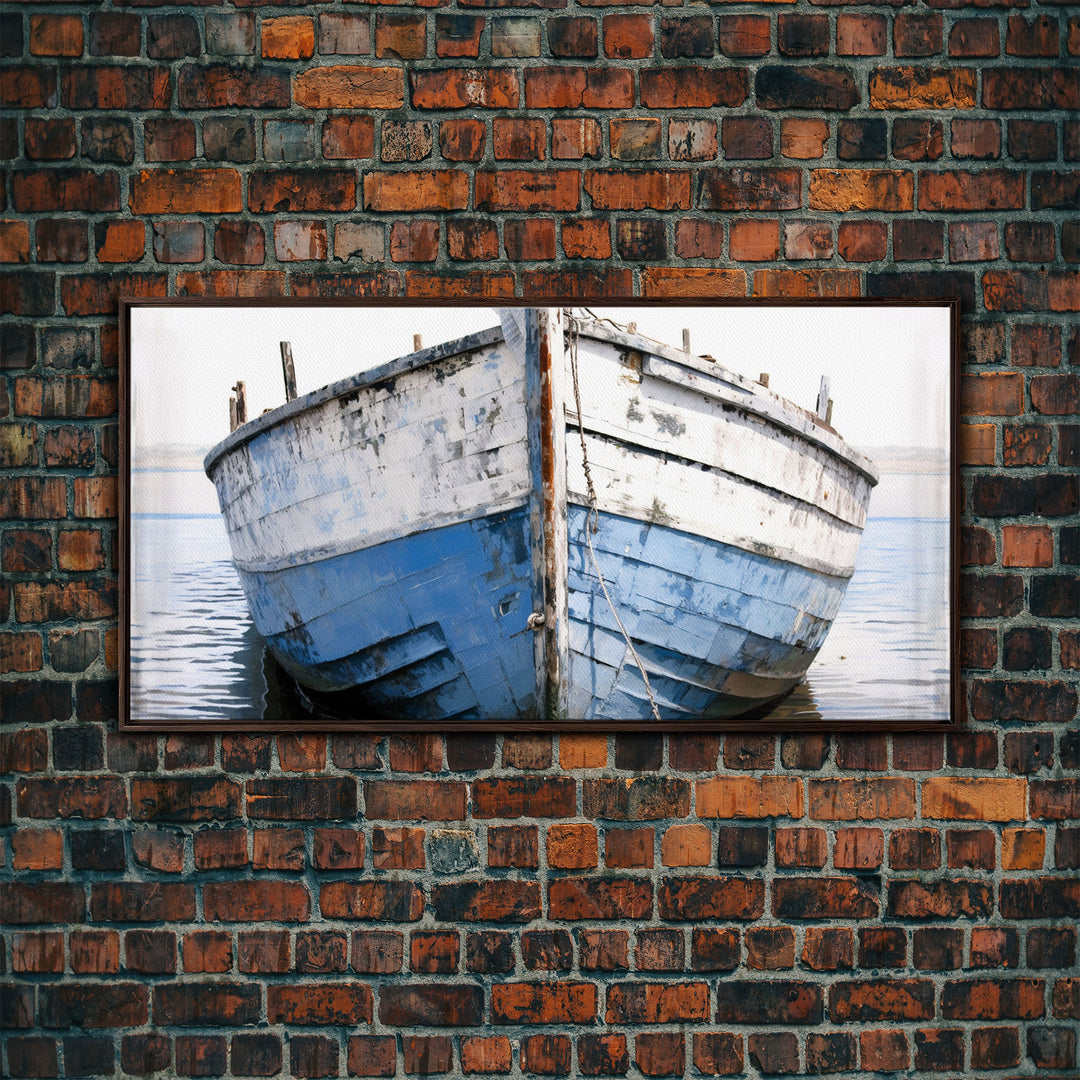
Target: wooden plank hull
[{"x": 394, "y": 534}]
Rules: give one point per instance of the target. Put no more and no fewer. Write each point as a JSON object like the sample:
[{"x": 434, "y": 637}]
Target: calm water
[{"x": 196, "y": 656}]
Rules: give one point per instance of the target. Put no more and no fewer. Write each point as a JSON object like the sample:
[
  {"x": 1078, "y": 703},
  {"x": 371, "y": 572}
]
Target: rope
[{"x": 592, "y": 520}]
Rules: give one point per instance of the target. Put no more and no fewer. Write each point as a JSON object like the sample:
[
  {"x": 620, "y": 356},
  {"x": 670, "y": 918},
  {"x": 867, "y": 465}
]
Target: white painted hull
[{"x": 715, "y": 498}]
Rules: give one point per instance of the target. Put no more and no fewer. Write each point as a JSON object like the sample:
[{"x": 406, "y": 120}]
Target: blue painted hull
[
  {"x": 427, "y": 627},
  {"x": 719, "y": 631},
  {"x": 420, "y": 628}
]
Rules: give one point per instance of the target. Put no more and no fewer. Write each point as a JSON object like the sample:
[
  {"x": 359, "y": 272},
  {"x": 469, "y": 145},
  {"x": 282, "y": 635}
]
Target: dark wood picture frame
[{"x": 682, "y": 376}]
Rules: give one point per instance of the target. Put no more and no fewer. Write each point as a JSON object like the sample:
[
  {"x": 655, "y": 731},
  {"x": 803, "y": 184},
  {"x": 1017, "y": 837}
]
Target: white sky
[{"x": 888, "y": 364}]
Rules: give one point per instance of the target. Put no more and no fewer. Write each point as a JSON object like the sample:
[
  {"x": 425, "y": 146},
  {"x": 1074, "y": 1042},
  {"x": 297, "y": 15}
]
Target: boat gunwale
[
  {"x": 401, "y": 365},
  {"x": 760, "y": 401}
]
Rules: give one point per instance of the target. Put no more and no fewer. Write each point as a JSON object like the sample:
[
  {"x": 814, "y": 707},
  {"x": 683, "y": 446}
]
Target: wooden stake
[
  {"x": 417, "y": 342},
  {"x": 685, "y": 340},
  {"x": 233, "y": 421},
  {"x": 823, "y": 397},
  {"x": 240, "y": 390},
  {"x": 288, "y": 370},
  {"x": 763, "y": 378}
]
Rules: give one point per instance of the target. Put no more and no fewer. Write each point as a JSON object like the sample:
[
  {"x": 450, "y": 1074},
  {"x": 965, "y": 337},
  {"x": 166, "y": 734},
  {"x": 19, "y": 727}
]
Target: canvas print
[{"x": 721, "y": 515}]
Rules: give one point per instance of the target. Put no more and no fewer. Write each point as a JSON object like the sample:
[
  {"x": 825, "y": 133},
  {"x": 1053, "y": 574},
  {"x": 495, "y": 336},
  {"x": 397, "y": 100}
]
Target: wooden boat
[{"x": 553, "y": 518}]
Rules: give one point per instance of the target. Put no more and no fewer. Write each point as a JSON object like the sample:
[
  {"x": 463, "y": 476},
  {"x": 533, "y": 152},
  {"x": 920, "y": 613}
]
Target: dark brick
[
  {"x": 768, "y": 1002},
  {"x": 256, "y": 1055},
  {"x": 97, "y": 849},
  {"x": 87, "y": 1056},
  {"x": 938, "y": 949},
  {"x": 687, "y": 37},
  {"x": 803, "y": 35},
  {"x": 572, "y": 37},
  {"x": 431, "y": 1004},
  {"x": 78, "y": 749},
  {"x": 939, "y": 1050},
  {"x": 489, "y": 951},
  {"x": 802, "y": 87},
  {"x": 831, "y": 1053}
]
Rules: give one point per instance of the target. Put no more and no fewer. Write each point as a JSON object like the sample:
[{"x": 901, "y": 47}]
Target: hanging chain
[{"x": 592, "y": 520}]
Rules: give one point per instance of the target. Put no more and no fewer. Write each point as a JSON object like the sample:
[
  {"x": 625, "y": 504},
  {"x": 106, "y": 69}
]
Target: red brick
[
  {"x": 481, "y": 1054},
  {"x": 348, "y": 137},
  {"x": 432, "y": 1004},
  {"x": 572, "y": 846},
  {"x": 401, "y": 848},
  {"x": 861, "y": 35},
  {"x": 427, "y": 1054},
  {"x": 400, "y": 36},
  {"x": 322, "y": 952},
  {"x": 586, "y": 238},
  {"x": 660, "y": 1054},
  {"x": 372, "y": 1055},
  {"x": 65, "y": 189},
  {"x": 410, "y": 191},
  {"x": 320, "y": 1003},
  {"x": 543, "y": 1003},
  {"x": 158, "y": 850},
  {"x": 699, "y": 898},
  {"x": 350, "y": 87},
  {"x": 923, "y": 88},
  {"x": 520, "y": 189},
  {"x": 377, "y": 951},
  {"x": 546, "y": 1055},
  {"x": 744, "y": 35},
  {"x": 261, "y": 951},
  {"x": 803, "y": 139},
  {"x": 290, "y": 37},
  {"x": 28, "y": 87},
  {"x": 88, "y": 797},
  {"x": 458, "y": 35},
  {"x": 767, "y": 796},
  {"x": 718, "y": 1053},
  {"x": 49, "y": 140},
  {"x": 94, "y": 952},
  {"x": 416, "y": 753},
  {"x": 465, "y": 88},
  {"x": 628, "y": 37},
  {"x": 415, "y": 800},
  {"x": 208, "y": 951},
  {"x": 862, "y": 241},
  {"x": 434, "y": 952},
  {"x": 389, "y": 901},
  {"x": 974, "y": 37},
  {"x": 256, "y": 901},
  {"x": 693, "y": 88},
  {"x": 462, "y": 140},
  {"x": 188, "y": 191},
  {"x": 416, "y": 241},
  {"x": 529, "y": 240},
  {"x": 35, "y": 952},
  {"x": 218, "y": 849},
  {"x": 578, "y": 87}
]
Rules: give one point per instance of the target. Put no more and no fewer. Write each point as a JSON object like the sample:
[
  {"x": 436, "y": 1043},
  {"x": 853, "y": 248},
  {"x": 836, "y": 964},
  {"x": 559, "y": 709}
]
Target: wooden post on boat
[
  {"x": 685, "y": 340},
  {"x": 823, "y": 398},
  {"x": 417, "y": 342},
  {"x": 288, "y": 370},
  {"x": 238, "y": 406},
  {"x": 763, "y": 379},
  {"x": 551, "y": 361}
]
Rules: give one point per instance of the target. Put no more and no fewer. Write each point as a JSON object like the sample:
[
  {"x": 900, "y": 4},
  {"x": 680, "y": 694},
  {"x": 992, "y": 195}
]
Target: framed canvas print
[{"x": 390, "y": 516}]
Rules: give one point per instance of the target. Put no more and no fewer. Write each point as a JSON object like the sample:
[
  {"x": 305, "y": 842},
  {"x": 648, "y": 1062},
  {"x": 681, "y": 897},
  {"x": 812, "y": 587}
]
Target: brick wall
[{"x": 585, "y": 906}]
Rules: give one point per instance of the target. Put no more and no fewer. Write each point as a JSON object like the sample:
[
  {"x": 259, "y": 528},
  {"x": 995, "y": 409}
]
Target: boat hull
[{"x": 649, "y": 511}]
